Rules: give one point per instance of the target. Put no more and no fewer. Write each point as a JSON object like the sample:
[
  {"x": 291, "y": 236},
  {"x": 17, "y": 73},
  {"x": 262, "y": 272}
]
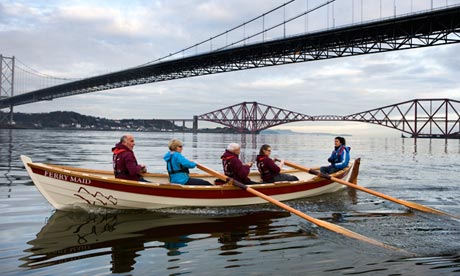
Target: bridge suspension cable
[
  {"x": 263, "y": 33},
  {"x": 243, "y": 25},
  {"x": 32, "y": 71},
  {"x": 29, "y": 79},
  {"x": 276, "y": 26}
]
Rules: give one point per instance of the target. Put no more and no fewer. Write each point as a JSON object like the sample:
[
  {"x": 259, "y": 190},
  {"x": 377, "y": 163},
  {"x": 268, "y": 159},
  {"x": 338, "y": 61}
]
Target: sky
[{"x": 78, "y": 39}]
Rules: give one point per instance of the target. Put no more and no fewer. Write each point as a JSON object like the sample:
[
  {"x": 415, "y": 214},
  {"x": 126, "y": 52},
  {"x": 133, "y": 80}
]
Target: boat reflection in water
[{"x": 72, "y": 236}]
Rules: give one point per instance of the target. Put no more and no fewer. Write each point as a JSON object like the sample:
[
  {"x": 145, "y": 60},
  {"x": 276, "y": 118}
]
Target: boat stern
[{"x": 353, "y": 178}]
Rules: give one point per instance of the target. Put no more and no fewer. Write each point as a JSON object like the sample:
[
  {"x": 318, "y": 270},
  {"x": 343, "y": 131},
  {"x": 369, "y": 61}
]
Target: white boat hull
[{"x": 66, "y": 188}]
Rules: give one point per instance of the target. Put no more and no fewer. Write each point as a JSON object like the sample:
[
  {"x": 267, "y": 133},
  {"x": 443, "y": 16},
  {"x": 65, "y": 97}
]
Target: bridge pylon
[{"x": 6, "y": 86}]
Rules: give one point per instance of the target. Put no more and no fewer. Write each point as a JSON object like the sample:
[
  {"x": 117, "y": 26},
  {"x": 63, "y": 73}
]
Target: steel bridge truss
[
  {"x": 435, "y": 27},
  {"x": 252, "y": 117},
  {"x": 413, "y": 31},
  {"x": 439, "y": 118}
]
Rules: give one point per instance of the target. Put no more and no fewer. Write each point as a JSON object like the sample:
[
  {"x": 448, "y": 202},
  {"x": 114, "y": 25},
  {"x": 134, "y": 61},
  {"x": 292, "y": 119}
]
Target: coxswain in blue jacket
[
  {"x": 340, "y": 157},
  {"x": 178, "y": 166}
]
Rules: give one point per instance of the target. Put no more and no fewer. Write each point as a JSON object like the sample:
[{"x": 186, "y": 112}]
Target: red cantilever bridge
[{"x": 437, "y": 118}]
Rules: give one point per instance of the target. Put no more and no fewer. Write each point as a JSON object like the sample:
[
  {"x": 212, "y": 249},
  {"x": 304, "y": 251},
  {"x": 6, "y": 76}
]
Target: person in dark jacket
[
  {"x": 339, "y": 158},
  {"x": 178, "y": 166},
  {"x": 233, "y": 167},
  {"x": 269, "y": 171},
  {"x": 125, "y": 165}
]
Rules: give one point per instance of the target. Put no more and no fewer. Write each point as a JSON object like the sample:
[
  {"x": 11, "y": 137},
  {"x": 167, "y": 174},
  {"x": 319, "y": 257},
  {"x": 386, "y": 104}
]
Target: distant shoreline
[
  {"x": 217, "y": 131},
  {"x": 68, "y": 120}
]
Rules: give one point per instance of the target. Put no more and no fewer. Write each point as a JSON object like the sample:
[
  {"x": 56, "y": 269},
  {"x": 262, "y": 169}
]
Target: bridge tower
[{"x": 6, "y": 85}]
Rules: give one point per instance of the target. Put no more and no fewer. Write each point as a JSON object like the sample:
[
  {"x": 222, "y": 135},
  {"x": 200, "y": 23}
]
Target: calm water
[{"x": 262, "y": 240}]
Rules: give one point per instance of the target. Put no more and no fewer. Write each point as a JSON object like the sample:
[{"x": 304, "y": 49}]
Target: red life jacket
[
  {"x": 261, "y": 165},
  {"x": 265, "y": 173},
  {"x": 226, "y": 164},
  {"x": 116, "y": 153}
]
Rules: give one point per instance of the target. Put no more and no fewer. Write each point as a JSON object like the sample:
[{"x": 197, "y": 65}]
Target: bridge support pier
[
  {"x": 11, "y": 121},
  {"x": 195, "y": 124}
]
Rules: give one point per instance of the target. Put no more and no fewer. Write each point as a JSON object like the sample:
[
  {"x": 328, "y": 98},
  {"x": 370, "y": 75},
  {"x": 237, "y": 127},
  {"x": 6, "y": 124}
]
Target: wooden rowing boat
[{"x": 67, "y": 188}]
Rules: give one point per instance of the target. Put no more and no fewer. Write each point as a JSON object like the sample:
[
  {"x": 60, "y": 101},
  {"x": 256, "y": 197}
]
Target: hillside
[{"x": 73, "y": 120}]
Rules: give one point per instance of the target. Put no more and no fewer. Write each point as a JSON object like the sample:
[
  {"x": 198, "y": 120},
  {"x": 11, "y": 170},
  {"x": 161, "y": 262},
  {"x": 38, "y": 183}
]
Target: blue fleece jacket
[
  {"x": 176, "y": 160},
  {"x": 340, "y": 157}
]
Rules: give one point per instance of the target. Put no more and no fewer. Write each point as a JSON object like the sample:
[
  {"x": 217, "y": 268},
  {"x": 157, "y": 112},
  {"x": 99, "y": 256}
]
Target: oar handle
[
  {"x": 221, "y": 176},
  {"x": 211, "y": 171},
  {"x": 308, "y": 170}
]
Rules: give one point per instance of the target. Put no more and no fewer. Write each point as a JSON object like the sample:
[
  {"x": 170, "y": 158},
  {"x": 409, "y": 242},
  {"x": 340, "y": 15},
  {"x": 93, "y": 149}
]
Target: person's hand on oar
[
  {"x": 318, "y": 222},
  {"x": 409, "y": 204}
]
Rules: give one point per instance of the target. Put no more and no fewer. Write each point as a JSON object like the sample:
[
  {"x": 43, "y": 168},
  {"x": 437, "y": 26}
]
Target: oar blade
[
  {"x": 409, "y": 204},
  {"x": 426, "y": 209},
  {"x": 330, "y": 226},
  {"x": 357, "y": 236},
  {"x": 406, "y": 203}
]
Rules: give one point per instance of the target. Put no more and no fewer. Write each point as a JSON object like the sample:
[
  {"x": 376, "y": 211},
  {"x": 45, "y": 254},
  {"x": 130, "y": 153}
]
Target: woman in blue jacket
[
  {"x": 178, "y": 166},
  {"x": 339, "y": 158}
]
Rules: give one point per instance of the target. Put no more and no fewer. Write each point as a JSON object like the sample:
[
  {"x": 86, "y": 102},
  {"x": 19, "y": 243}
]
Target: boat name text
[{"x": 68, "y": 178}]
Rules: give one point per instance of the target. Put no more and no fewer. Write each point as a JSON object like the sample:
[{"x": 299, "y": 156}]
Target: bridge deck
[{"x": 437, "y": 27}]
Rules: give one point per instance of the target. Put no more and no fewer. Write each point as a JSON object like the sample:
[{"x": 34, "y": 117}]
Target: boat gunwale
[
  {"x": 112, "y": 180},
  {"x": 148, "y": 174}
]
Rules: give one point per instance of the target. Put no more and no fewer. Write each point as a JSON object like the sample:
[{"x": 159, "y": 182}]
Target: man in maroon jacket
[
  {"x": 233, "y": 167},
  {"x": 124, "y": 162}
]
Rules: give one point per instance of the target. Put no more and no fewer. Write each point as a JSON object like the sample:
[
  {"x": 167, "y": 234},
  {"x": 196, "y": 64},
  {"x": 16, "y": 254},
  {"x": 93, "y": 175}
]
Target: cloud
[
  {"x": 272, "y": 83},
  {"x": 87, "y": 38}
]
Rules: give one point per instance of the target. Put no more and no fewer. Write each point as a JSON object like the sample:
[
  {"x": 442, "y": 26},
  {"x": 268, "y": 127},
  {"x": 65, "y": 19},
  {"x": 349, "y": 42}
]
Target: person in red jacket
[
  {"x": 269, "y": 171},
  {"x": 125, "y": 165},
  {"x": 233, "y": 167}
]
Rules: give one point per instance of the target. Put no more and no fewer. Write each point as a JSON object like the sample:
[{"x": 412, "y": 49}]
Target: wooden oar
[
  {"x": 318, "y": 222},
  {"x": 409, "y": 204}
]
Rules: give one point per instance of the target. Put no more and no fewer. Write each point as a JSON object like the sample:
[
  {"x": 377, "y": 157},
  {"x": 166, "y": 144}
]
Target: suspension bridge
[{"x": 267, "y": 45}]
